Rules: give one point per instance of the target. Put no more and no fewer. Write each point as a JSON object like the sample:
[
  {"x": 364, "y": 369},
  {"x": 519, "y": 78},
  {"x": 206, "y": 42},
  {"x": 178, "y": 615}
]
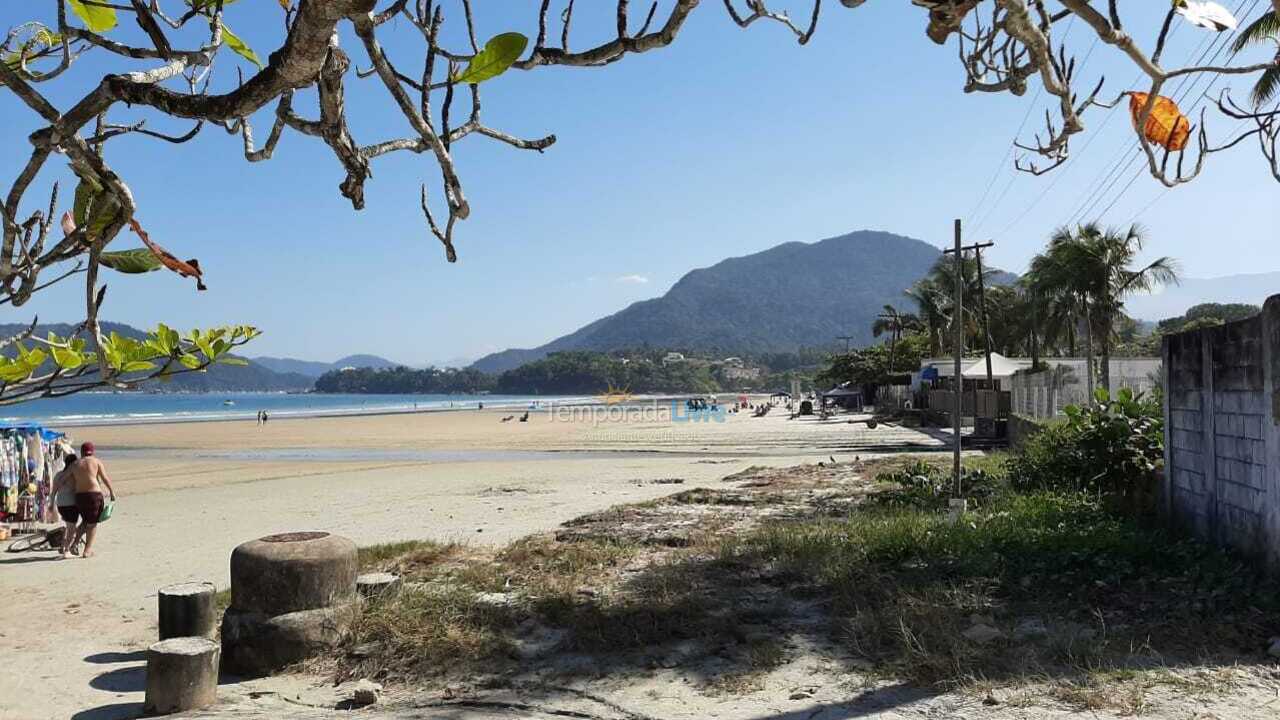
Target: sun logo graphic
[{"x": 615, "y": 396}]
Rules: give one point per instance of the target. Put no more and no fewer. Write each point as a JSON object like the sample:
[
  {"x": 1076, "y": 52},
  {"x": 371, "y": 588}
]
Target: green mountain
[
  {"x": 219, "y": 378},
  {"x": 793, "y": 295},
  {"x": 314, "y": 369}
]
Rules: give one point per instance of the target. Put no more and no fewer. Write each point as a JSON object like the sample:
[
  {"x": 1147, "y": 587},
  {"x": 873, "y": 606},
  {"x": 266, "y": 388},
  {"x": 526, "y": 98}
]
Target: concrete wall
[
  {"x": 1045, "y": 393},
  {"x": 1022, "y": 428},
  {"x": 1222, "y": 432}
]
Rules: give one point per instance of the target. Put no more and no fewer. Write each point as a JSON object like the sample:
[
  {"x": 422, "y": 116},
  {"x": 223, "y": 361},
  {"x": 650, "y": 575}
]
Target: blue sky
[{"x": 727, "y": 143}]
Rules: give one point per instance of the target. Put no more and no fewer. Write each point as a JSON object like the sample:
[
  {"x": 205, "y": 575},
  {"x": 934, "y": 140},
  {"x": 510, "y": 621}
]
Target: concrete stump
[
  {"x": 376, "y": 585},
  {"x": 182, "y": 674},
  {"x": 186, "y": 610},
  {"x": 292, "y": 596}
]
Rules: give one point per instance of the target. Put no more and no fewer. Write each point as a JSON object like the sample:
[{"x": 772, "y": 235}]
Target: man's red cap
[{"x": 86, "y": 449}]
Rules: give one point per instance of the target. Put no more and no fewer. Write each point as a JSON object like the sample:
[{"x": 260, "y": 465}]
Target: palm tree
[
  {"x": 941, "y": 279},
  {"x": 1114, "y": 253},
  {"x": 932, "y": 306},
  {"x": 895, "y": 323},
  {"x": 1062, "y": 281},
  {"x": 1263, "y": 30},
  {"x": 1083, "y": 277}
]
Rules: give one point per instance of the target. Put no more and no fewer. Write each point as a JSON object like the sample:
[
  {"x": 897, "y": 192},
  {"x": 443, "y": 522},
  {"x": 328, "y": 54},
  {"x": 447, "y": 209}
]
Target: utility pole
[
  {"x": 957, "y": 385},
  {"x": 982, "y": 298}
]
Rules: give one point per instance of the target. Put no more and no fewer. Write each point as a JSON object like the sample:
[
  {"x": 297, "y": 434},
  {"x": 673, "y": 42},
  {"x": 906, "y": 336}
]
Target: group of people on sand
[
  {"x": 78, "y": 492},
  {"x": 263, "y": 417}
]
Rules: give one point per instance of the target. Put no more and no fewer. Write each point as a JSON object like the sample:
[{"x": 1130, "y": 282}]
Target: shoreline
[{"x": 506, "y": 403}]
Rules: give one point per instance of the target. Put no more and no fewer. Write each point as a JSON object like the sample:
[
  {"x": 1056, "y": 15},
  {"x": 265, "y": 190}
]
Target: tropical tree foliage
[
  {"x": 54, "y": 366},
  {"x": 874, "y": 365},
  {"x": 1080, "y": 283},
  {"x": 1264, "y": 31}
]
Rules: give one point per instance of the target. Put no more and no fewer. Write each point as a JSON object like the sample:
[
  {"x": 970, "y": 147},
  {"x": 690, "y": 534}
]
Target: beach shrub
[
  {"x": 1112, "y": 448},
  {"x": 928, "y": 486}
]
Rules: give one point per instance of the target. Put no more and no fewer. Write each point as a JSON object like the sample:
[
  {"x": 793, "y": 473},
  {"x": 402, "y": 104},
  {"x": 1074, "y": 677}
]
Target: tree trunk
[
  {"x": 1106, "y": 362},
  {"x": 1035, "y": 339},
  {"x": 1088, "y": 351}
]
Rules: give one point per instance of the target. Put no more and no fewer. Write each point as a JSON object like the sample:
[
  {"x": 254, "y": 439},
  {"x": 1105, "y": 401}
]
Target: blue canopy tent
[{"x": 31, "y": 427}]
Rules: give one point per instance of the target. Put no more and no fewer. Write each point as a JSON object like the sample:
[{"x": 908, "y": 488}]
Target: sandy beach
[{"x": 189, "y": 493}]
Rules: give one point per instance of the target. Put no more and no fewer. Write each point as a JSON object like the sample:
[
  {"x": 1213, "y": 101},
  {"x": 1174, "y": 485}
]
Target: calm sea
[{"x": 131, "y": 408}]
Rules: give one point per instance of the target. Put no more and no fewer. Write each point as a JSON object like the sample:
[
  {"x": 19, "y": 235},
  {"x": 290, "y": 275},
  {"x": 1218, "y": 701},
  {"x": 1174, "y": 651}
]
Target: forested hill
[{"x": 795, "y": 294}]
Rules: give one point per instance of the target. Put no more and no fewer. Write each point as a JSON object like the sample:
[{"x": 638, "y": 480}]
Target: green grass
[
  {"x": 1117, "y": 606},
  {"x": 376, "y": 557},
  {"x": 905, "y": 583}
]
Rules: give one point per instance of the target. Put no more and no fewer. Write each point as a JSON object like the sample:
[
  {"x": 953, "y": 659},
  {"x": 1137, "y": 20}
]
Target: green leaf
[
  {"x": 233, "y": 361},
  {"x": 67, "y": 359},
  {"x": 105, "y": 210},
  {"x": 95, "y": 17},
  {"x": 14, "y": 372},
  {"x": 35, "y": 358},
  {"x": 132, "y": 262},
  {"x": 496, "y": 57},
  {"x": 84, "y": 199},
  {"x": 138, "y": 366},
  {"x": 237, "y": 46},
  {"x": 190, "y": 361}
]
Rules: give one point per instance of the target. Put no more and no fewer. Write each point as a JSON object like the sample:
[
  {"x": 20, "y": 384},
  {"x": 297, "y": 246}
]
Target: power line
[
  {"x": 1008, "y": 153},
  {"x": 1057, "y": 176},
  {"x": 1105, "y": 181},
  {"x": 1014, "y": 142},
  {"x": 1184, "y": 88}
]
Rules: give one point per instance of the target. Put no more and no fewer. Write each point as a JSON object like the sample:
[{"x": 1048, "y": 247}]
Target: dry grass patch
[{"x": 1045, "y": 591}]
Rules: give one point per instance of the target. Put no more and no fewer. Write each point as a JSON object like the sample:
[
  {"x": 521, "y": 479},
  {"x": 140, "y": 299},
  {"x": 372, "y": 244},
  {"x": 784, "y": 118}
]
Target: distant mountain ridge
[
  {"x": 218, "y": 378},
  {"x": 795, "y": 294},
  {"x": 1174, "y": 300},
  {"x": 314, "y": 369}
]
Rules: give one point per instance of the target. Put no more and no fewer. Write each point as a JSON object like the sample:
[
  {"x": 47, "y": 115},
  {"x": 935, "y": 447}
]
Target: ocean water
[{"x": 137, "y": 408}]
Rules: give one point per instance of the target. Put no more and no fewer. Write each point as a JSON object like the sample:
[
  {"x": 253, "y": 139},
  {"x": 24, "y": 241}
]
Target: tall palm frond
[
  {"x": 1265, "y": 28},
  {"x": 1267, "y": 87}
]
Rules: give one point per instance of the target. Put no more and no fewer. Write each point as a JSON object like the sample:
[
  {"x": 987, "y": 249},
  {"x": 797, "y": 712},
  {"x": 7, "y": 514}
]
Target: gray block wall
[{"x": 1222, "y": 433}]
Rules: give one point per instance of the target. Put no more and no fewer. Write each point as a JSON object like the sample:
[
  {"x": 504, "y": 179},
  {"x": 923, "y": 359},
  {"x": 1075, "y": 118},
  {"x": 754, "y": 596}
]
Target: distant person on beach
[
  {"x": 259, "y": 417},
  {"x": 90, "y": 475},
  {"x": 64, "y": 496},
  {"x": 265, "y": 417}
]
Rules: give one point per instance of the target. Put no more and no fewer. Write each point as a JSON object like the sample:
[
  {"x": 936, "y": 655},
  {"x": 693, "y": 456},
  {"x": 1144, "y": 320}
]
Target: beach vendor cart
[{"x": 30, "y": 456}]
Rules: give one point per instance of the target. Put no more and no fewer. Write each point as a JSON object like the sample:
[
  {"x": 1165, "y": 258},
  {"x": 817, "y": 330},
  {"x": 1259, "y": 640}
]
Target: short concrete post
[
  {"x": 186, "y": 610},
  {"x": 378, "y": 584},
  {"x": 182, "y": 674}
]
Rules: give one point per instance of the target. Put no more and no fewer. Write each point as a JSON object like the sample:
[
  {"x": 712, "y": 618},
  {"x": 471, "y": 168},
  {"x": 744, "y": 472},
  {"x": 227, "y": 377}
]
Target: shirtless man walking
[{"x": 87, "y": 472}]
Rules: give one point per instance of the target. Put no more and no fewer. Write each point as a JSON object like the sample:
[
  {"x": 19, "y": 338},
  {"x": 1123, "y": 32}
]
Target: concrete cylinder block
[
  {"x": 182, "y": 674},
  {"x": 286, "y": 573}
]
